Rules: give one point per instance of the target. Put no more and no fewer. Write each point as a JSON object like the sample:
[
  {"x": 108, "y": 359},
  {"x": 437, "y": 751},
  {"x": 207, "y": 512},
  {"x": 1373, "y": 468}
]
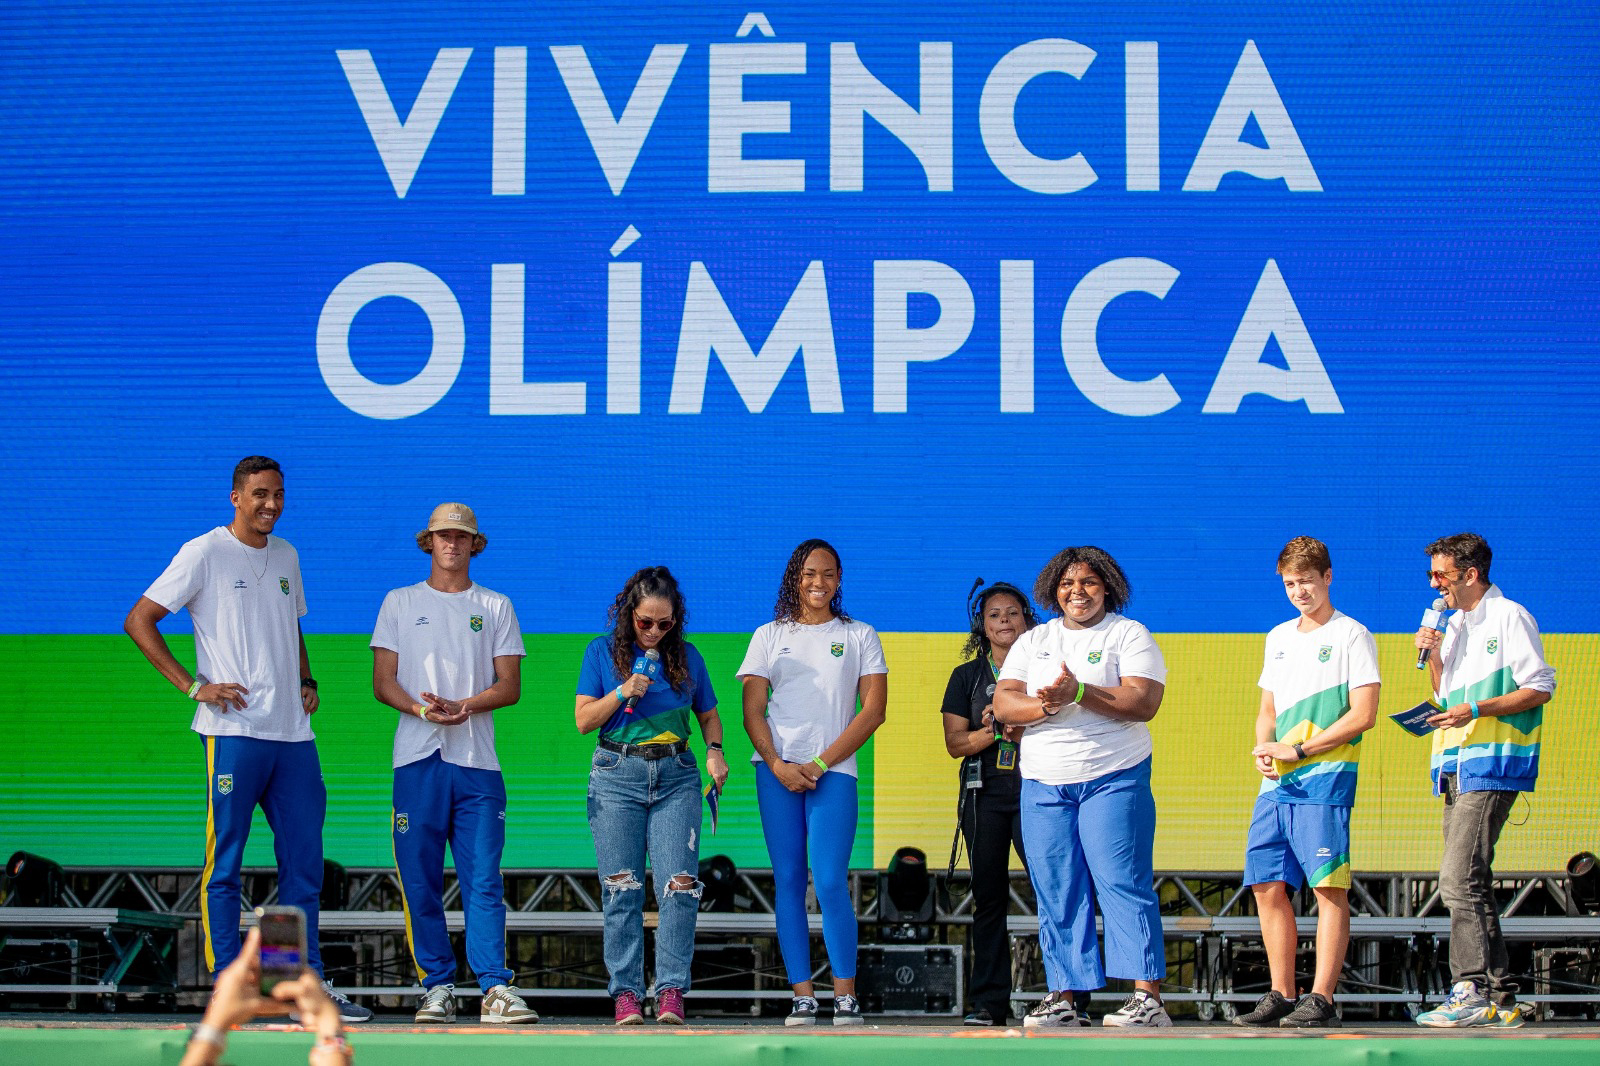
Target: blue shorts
[{"x": 1298, "y": 843}]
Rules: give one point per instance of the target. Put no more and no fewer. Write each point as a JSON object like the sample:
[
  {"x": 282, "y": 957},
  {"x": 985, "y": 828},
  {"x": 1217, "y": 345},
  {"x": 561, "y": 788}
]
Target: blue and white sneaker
[{"x": 1467, "y": 1006}]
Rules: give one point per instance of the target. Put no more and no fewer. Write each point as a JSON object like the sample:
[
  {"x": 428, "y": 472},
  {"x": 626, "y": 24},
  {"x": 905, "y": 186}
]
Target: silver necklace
[{"x": 266, "y": 560}]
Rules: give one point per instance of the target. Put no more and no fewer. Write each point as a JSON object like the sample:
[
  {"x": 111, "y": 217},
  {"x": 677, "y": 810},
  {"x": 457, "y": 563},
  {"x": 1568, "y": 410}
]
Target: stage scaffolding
[{"x": 131, "y": 935}]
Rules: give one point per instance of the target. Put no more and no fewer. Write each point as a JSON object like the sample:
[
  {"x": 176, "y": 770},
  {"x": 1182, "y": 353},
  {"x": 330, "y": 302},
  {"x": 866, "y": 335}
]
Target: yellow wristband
[
  {"x": 818, "y": 760},
  {"x": 421, "y": 711}
]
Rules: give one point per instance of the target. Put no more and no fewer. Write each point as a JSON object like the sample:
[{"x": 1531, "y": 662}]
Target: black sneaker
[
  {"x": 1312, "y": 1012},
  {"x": 804, "y": 1011},
  {"x": 981, "y": 1016},
  {"x": 1269, "y": 1009}
]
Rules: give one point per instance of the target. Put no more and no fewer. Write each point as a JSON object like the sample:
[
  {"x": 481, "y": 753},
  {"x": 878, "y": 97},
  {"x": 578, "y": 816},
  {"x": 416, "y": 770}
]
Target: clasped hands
[{"x": 441, "y": 711}]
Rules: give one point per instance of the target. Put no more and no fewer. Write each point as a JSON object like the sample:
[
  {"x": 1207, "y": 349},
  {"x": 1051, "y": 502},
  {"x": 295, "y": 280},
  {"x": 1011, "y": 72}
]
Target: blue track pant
[
  {"x": 285, "y": 779},
  {"x": 1088, "y": 842},
  {"x": 436, "y": 802}
]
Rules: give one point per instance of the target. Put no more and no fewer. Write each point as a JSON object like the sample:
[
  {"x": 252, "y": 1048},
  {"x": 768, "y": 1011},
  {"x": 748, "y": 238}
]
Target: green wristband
[
  {"x": 818, "y": 760},
  {"x": 1079, "y": 697},
  {"x": 194, "y": 689}
]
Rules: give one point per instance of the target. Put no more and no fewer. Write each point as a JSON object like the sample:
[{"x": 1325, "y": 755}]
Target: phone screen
[{"x": 283, "y": 944}]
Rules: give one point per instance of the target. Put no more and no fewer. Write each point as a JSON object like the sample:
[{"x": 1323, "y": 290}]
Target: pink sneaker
[
  {"x": 628, "y": 1011},
  {"x": 669, "y": 1006}
]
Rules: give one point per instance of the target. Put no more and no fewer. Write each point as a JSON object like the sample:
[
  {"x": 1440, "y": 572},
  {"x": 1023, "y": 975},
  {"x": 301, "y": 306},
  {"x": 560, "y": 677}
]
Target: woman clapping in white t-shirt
[
  {"x": 803, "y": 675},
  {"x": 1084, "y": 685}
]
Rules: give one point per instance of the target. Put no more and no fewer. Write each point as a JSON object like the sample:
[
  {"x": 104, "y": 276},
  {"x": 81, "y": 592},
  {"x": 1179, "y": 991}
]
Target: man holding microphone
[
  {"x": 1491, "y": 680},
  {"x": 445, "y": 653}
]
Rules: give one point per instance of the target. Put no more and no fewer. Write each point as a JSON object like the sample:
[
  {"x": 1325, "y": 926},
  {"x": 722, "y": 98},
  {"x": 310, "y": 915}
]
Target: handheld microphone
[
  {"x": 648, "y": 664},
  {"x": 1433, "y": 618}
]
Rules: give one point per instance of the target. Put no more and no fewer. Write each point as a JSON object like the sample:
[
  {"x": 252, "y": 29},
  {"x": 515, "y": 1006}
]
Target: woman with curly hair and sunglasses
[
  {"x": 640, "y": 685},
  {"x": 803, "y": 677},
  {"x": 1084, "y": 685},
  {"x": 990, "y": 783}
]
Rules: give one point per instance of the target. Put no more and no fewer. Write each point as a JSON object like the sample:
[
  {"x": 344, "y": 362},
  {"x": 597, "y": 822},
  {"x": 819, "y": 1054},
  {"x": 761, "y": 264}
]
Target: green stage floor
[{"x": 149, "y": 1040}]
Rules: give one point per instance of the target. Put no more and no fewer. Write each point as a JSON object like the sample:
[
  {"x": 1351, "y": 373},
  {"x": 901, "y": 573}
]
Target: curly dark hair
[
  {"x": 978, "y": 639},
  {"x": 1118, "y": 593},
  {"x": 652, "y": 581},
  {"x": 1465, "y": 550},
  {"x": 787, "y": 609}
]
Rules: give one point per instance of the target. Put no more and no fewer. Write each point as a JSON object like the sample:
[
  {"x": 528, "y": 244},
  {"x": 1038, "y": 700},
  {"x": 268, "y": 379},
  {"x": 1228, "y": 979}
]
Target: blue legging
[{"x": 821, "y": 822}]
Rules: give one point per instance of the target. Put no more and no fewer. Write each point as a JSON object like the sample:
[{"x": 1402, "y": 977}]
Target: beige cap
[{"x": 452, "y": 516}]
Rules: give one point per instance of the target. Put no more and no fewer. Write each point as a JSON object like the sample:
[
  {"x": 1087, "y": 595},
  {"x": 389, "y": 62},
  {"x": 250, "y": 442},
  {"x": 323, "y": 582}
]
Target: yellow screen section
[{"x": 1203, "y": 778}]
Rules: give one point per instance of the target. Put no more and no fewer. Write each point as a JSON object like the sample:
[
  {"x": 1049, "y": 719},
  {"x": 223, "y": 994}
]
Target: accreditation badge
[{"x": 1005, "y": 756}]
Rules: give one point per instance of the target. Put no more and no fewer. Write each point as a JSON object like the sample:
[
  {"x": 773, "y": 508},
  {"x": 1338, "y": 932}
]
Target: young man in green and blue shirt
[{"x": 1319, "y": 693}]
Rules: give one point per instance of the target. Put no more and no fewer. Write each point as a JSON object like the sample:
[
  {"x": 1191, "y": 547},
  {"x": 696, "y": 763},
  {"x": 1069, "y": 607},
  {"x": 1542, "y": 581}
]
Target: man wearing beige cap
[{"x": 445, "y": 654}]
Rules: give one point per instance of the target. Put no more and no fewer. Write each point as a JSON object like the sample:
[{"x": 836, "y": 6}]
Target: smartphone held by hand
[{"x": 283, "y": 945}]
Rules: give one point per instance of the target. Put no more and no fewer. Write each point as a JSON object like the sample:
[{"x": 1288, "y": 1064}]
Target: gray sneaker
[
  {"x": 1270, "y": 1009},
  {"x": 1312, "y": 1012},
  {"x": 502, "y": 1005},
  {"x": 349, "y": 1012},
  {"x": 847, "y": 1011},
  {"x": 438, "y": 1006}
]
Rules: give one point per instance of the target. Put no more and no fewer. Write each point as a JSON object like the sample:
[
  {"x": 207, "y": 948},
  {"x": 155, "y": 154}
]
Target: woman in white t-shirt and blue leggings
[
  {"x": 802, "y": 677},
  {"x": 1084, "y": 685}
]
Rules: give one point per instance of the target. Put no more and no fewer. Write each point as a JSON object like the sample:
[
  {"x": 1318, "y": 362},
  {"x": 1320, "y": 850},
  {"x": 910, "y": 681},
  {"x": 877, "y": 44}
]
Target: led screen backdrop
[{"x": 950, "y": 284}]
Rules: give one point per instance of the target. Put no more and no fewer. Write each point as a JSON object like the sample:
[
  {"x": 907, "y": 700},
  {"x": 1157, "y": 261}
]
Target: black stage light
[
  {"x": 1583, "y": 882},
  {"x": 720, "y": 877},
  {"x": 34, "y": 880},
  {"x": 905, "y": 899},
  {"x": 335, "y": 886}
]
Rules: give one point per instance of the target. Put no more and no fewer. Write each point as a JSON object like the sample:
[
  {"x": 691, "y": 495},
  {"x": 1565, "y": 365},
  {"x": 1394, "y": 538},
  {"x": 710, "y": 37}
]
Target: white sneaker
[
  {"x": 503, "y": 1006},
  {"x": 1051, "y": 1012},
  {"x": 1142, "y": 1010},
  {"x": 438, "y": 1006},
  {"x": 847, "y": 1010}
]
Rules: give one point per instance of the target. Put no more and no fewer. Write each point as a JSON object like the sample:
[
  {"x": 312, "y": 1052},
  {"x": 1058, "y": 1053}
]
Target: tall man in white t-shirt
[
  {"x": 1319, "y": 694},
  {"x": 447, "y": 652},
  {"x": 254, "y": 697},
  {"x": 1490, "y": 677}
]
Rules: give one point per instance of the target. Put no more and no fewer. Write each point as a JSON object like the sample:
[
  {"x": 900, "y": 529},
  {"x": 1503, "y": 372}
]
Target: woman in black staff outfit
[{"x": 990, "y": 818}]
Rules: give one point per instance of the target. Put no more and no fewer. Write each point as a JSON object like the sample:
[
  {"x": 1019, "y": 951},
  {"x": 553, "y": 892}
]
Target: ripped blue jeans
[{"x": 637, "y": 806}]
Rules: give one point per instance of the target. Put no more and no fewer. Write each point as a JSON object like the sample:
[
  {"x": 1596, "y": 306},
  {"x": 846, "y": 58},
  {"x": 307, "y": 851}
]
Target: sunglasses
[
  {"x": 647, "y": 625},
  {"x": 1444, "y": 575}
]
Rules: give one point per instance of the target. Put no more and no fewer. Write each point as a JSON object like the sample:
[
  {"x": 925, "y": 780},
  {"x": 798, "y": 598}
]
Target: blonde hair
[{"x": 425, "y": 542}]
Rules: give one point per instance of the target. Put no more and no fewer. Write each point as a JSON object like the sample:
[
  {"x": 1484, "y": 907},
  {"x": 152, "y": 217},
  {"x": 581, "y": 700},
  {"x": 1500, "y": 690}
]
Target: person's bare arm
[{"x": 143, "y": 626}]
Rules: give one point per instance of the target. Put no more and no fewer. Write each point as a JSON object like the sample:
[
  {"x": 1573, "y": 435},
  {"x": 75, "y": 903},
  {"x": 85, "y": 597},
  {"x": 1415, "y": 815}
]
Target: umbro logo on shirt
[
  {"x": 240, "y": 585},
  {"x": 422, "y": 620},
  {"x": 1277, "y": 657},
  {"x": 1042, "y": 655},
  {"x": 783, "y": 651},
  {"x": 1324, "y": 853}
]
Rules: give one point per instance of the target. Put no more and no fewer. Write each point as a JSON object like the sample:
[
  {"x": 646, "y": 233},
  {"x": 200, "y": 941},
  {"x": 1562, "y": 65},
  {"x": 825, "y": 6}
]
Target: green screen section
[{"x": 103, "y": 769}]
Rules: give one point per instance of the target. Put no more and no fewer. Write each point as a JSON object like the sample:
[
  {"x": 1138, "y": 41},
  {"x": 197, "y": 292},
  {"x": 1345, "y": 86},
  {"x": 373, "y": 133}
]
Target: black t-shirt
[{"x": 970, "y": 690}]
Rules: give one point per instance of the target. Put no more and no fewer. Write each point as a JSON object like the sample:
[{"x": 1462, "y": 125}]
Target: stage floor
[{"x": 142, "y": 1040}]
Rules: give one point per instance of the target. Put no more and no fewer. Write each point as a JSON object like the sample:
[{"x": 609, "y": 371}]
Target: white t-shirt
[
  {"x": 813, "y": 671},
  {"x": 447, "y": 643},
  {"x": 246, "y": 604},
  {"x": 1078, "y": 744}
]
